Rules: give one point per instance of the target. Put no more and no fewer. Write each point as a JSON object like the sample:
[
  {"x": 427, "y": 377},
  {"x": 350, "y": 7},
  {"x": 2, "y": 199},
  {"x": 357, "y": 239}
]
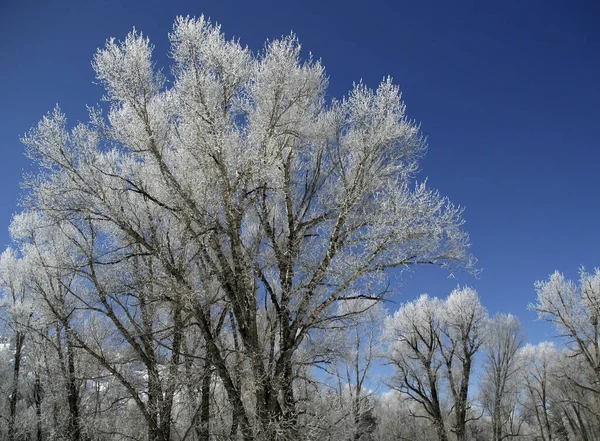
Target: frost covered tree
[
  {"x": 238, "y": 184},
  {"x": 577, "y": 407},
  {"x": 363, "y": 320},
  {"x": 463, "y": 320},
  {"x": 431, "y": 341},
  {"x": 353, "y": 343},
  {"x": 17, "y": 308},
  {"x": 51, "y": 283},
  {"x": 106, "y": 305},
  {"x": 574, "y": 309},
  {"x": 414, "y": 334},
  {"x": 539, "y": 366},
  {"x": 396, "y": 421},
  {"x": 500, "y": 380}
]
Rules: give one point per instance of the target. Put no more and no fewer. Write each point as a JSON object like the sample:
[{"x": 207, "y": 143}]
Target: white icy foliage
[
  {"x": 574, "y": 309},
  {"x": 413, "y": 332},
  {"x": 14, "y": 297},
  {"x": 232, "y": 123},
  {"x": 540, "y": 357},
  {"x": 539, "y": 364},
  {"x": 465, "y": 319},
  {"x": 500, "y": 328},
  {"x": 126, "y": 70},
  {"x": 461, "y": 317},
  {"x": 590, "y": 292}
]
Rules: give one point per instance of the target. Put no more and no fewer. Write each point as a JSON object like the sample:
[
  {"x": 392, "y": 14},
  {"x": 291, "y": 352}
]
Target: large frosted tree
[{"x": 255, "y": 203}]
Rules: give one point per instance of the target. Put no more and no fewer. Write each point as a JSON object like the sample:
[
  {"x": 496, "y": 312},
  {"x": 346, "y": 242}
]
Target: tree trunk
[
  {"x": 203, "y": 428},
  {"x": 497, "y": 420},
  {"x": 14, "y": 395},
  {"x": 441, "y": 430},
  {"x": 72, "y": 389},
  {"x": 37, "y": 398}
]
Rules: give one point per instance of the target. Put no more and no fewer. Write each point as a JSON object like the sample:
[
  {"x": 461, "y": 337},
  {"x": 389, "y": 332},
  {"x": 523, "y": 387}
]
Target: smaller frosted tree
[
  {"x": 463, "y": 319},
  {"x": 539, "y": 366},
  {"x": 358, "y": 337},
  {"x": 414, "y": 352},
  {"x": 577, "y": 407},
  {"x": 574, "y": 310},
  {"x": 16, "y": 307},
  {"x": 499, "y": 385},
  {"x": 432, "y": 340}
]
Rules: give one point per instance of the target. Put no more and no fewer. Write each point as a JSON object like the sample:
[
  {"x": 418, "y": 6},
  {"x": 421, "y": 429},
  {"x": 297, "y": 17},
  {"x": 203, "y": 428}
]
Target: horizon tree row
[{"x": 457, "y": 373}]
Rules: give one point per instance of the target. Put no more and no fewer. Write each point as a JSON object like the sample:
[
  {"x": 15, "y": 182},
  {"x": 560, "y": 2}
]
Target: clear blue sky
[{"x": 507, "y": 93}]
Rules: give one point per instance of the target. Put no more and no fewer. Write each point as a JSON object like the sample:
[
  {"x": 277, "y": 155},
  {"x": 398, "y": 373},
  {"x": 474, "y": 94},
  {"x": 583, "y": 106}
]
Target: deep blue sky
[{"x": 507, "y": 93}]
